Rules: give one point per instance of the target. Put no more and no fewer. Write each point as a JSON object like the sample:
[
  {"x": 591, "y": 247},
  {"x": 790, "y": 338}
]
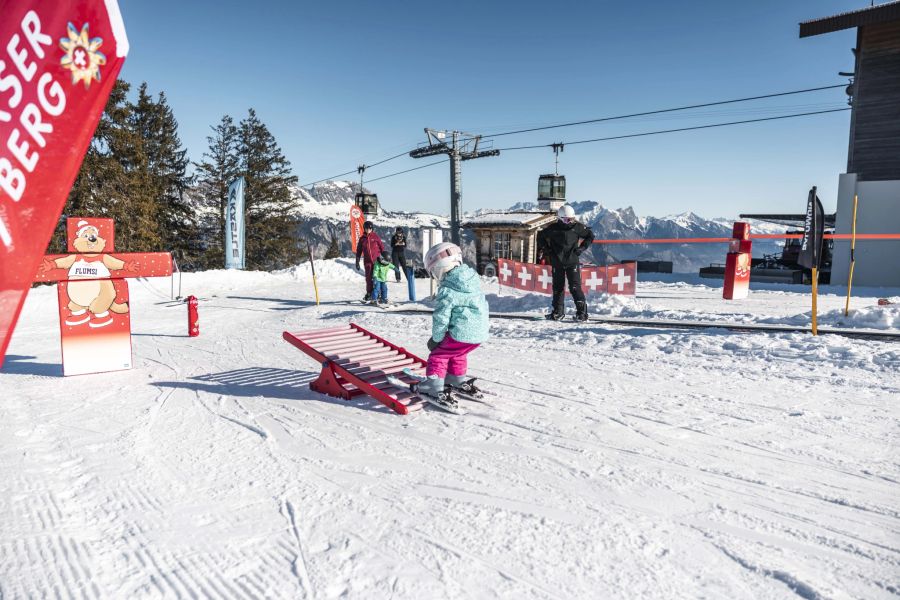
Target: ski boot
[
  {"x": 434, "y": 391},
  {"x": 557, "y": 314},
  {"x": 444, "y": 400},
  {"x": 465, "y": 386},
  {"x": 581, "y": 311}
]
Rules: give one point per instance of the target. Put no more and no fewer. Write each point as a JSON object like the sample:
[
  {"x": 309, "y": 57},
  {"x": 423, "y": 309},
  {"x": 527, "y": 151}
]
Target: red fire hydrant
[{"x": 193, "y": 317}]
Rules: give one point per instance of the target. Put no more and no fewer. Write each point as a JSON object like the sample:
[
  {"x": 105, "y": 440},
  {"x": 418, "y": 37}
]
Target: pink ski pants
[{"x": 449, "y": 357}]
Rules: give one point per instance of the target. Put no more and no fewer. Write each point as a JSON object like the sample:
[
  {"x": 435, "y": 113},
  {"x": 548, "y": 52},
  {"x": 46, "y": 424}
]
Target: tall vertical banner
[
  {"x": 811, "y": 247},
  {"x": 234, "y": 225},
  {"x": 813, "y": 232},
  {"x": 58, "y": 63},
  {"x": 356, "y": 226}
]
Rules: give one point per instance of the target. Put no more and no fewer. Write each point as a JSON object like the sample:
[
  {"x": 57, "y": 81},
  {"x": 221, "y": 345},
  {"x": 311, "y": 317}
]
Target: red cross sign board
[{"x": 58, "y": 63}]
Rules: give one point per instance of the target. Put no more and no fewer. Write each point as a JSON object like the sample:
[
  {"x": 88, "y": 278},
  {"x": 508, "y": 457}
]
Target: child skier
[
  {"x": 459, "y": 324},
  {"x": 380, "y": 275}
]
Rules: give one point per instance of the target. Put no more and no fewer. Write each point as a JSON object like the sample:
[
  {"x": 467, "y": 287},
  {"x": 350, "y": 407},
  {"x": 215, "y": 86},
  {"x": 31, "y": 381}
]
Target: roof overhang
[{"x": 871, "y": 15}]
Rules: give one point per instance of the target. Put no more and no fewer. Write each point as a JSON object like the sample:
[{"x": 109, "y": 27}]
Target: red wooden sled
[{"x": 356, "y": 362}]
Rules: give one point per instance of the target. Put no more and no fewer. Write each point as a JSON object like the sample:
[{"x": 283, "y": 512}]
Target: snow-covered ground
[{"x": 616, "y": 461}]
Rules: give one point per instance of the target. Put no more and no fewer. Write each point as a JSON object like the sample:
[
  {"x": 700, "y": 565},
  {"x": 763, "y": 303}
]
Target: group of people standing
[
  {"x": 460, "y": 316},
  {"x": 378, "y": 262}
]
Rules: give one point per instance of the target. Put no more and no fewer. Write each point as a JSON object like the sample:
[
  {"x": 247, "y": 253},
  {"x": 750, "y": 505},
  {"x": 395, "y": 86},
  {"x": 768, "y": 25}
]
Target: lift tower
[{"x": 462, "y": 146}]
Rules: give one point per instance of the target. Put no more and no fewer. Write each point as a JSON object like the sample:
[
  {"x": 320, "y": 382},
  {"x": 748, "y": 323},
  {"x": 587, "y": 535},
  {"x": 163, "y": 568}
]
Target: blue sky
[{"x": 343, "y": 83}]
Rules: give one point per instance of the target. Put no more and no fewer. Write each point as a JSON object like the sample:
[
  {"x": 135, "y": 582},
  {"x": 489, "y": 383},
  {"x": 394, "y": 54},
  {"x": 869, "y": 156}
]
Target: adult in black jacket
[
  {"x": 398, "y": 251},
  {"x": 561, "y": 244}
]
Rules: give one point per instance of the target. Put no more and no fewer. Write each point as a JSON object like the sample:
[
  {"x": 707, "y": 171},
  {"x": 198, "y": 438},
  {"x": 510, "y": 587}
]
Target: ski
[
  {"x": 457, "y": 392},
  {"x": 445, "y": 402}
]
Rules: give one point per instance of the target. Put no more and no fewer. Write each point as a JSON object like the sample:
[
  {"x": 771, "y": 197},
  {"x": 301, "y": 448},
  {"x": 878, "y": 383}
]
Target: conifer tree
[
  {"x": 166, "y": 162},
  {"x": 334, "y": 249},
  {"x": 221, "y": 166},
  {"x": 271, "y": 225},
  {"x": 114, "y": 181}
]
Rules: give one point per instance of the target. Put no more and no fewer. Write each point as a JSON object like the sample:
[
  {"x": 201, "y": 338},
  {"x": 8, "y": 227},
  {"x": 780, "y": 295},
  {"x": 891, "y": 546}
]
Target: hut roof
[
  {"x": 870, "y": 15},
  {"x": 522, "y": 218}
]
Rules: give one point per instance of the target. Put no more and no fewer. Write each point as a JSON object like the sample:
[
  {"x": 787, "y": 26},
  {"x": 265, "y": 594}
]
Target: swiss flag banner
[
  {"x": 543, "y": 278},
  {"x": 58, "y": 63},
  {"x": 593, "y": 280},
  {"x": 505, "y": 271},
  {"x": 523, "y": 279},
  {"x": 622, "y": 278}
]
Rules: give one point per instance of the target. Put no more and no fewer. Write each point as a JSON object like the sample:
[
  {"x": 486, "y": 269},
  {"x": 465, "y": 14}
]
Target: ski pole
[
  {"x": 312, "y": 264},
  {"x": 852, "y": 256}
]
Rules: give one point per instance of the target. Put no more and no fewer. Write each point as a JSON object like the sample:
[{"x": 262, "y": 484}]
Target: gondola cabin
[
  {"x": 368, "y": 203},
  {"x": 551, "y": 191}
]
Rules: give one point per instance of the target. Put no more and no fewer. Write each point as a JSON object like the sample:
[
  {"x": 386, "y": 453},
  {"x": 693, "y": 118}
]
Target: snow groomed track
[{"x": 672, "y": 324}]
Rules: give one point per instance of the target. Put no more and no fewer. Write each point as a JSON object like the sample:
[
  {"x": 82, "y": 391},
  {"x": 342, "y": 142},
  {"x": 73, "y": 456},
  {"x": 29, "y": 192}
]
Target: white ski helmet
[
  {"x": 440, "y": 259},
  {"x": 565, "y": 212}
]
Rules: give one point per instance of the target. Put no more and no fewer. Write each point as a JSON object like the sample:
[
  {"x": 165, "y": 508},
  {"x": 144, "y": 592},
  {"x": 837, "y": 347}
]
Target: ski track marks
[{"x": 613, "y": 463}]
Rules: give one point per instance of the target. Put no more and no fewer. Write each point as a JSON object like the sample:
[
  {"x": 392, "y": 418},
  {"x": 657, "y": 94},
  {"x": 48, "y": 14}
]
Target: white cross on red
[
  {"x": 621, "y": 279},
  {"x": 545, "y": 279},
  {"x": 80, "y": 58},
  {"x": 594, "y": 282},
  {"x": 505, "y": 271},
  {"x": 524, "y": 275}
]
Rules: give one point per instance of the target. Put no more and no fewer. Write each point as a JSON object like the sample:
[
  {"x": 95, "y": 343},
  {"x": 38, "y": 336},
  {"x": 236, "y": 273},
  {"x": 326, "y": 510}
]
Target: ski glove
[
  {"x": 432, "y": 344},
  {"x": 357, "y": 265}
]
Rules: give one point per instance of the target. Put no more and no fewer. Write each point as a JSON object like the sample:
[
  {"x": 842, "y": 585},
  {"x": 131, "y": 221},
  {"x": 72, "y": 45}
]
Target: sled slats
[{"x": 356, "y": 362}]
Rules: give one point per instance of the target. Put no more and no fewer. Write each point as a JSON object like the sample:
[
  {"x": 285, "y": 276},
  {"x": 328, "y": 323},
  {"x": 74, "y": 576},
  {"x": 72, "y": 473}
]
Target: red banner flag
[
  {"x": 505, "y": 272},
  {"x": 58, "y": 63},
  {"x": 593, "y": 280},
  {"x": 622, "y": 278},
  {"x": 523, "y": 279},
  {"x": 356, "y": 226},
  {"x": 543, "y": 278}
]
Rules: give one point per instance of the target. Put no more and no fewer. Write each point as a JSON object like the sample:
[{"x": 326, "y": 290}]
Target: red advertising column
[
  {"x": 58, "y": 63},
  {"x": 737, "y": 263},
  {"x": 193, "y": 316}
]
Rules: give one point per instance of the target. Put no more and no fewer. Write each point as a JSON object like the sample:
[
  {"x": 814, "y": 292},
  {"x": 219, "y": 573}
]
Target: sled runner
[{"x": 357, "y": 362}]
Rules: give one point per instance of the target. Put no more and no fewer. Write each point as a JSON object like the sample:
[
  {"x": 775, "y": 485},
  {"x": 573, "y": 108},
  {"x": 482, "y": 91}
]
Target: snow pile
[
  {"x": 514, "y": 301},
  {"x": 340, "y": 269},
  {"x": 866, "y": 317}
]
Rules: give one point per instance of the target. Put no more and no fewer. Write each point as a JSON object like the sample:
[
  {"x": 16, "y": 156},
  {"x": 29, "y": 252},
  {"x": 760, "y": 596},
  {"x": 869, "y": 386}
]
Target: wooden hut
[{"x": 509, "y": 234}]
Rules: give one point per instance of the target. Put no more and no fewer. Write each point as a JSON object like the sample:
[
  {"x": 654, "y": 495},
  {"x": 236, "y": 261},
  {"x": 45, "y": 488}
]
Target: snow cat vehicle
[{"x": 783, "y": 267}]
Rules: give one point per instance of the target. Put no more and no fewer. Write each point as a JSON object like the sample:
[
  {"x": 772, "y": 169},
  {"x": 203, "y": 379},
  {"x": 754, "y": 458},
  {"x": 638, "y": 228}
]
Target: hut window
[{"x": 502, "y": 246}]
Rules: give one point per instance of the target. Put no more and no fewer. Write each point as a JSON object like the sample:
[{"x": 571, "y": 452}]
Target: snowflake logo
[{"x": 81, "y": 55}]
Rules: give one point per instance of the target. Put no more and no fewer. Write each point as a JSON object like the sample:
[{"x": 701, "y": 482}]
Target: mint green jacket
[{"x": 460, "y": 308}]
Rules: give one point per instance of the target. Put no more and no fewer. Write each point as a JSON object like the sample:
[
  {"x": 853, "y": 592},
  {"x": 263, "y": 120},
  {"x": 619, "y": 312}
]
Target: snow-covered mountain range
[{"x": 323, "y": 211}]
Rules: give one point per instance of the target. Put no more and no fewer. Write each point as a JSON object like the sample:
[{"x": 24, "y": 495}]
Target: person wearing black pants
[
  {"x": 398, "y": 251},
  {"x": 562, "y": 243}
]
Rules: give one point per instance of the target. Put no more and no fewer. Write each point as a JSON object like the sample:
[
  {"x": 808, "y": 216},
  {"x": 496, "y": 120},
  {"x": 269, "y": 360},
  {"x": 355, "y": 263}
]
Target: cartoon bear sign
[
  {"x": 94, "y": 311},
  {"x": 90, "y": 291}
]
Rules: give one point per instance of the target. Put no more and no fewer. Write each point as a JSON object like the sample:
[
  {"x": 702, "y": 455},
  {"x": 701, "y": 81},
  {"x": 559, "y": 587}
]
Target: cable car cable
[
  {"x": 661, "y": 131},
  {"x": 408, "y": 170},
  {"x": 663, "y": 110},
  {"x": 613, "y": 118}
]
